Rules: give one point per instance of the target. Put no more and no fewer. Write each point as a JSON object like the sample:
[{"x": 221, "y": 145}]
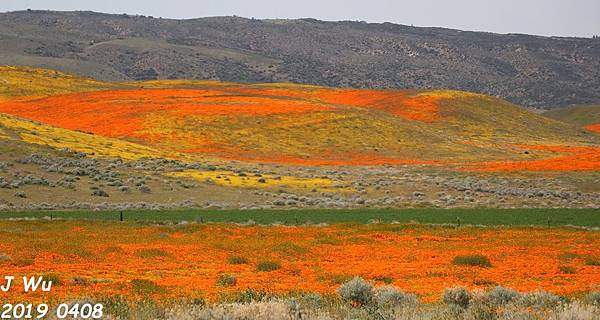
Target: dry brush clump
[{"x": 359, "y": 299}]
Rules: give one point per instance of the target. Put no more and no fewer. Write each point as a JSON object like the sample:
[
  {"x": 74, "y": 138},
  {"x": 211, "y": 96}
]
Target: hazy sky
[{"x": 543, "y": 17}]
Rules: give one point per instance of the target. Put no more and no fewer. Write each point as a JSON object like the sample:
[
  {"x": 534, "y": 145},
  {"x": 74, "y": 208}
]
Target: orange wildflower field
[
  {"x": 100, "y": 259},
  {"x": 311, "y": 125},
  {"x": 594, "y": 127},
  {"x": 565, "y": 159}
]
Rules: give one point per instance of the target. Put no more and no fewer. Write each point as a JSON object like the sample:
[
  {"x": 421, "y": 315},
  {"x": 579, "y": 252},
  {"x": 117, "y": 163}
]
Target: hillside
[
  {"x": 525, "y": 70},
  {"x": 587, "y": 116},
  {"x": 18, "y": 82},
  {"x": 69, "y": 142},
  {"x": 308, "y": 125}
]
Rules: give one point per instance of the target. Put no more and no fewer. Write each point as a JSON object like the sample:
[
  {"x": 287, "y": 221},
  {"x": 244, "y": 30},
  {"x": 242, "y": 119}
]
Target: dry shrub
[
  {"x": 357, "y": 291},
  {"x": 457, "y": 296}
]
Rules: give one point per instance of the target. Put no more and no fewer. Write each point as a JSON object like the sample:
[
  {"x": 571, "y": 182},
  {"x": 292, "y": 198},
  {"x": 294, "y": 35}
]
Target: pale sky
[{"x": 542, "y": 17}]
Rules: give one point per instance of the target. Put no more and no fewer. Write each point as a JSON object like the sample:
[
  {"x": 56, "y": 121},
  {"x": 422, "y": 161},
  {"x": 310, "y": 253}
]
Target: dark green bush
[
  {"x": 267, "y": 266},
  {"x": 237, "y": 260},
  {"x": 472, "y": 260}
]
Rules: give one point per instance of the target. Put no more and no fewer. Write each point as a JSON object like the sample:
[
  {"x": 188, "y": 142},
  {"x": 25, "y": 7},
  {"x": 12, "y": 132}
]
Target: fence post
[{"x": 121, "y": 216}]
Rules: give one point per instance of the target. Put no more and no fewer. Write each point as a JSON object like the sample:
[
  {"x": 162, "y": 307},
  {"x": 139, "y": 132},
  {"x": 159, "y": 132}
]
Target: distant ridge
[{"x": 532, "y": 71}]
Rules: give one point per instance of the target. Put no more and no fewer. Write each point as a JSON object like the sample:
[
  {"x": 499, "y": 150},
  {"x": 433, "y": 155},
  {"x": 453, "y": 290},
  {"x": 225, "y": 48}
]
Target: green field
[{"x": 488, "y": 217}]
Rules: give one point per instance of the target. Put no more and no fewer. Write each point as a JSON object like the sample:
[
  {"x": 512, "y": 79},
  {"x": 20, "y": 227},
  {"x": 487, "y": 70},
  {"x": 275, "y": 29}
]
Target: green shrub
[
  {"x": 143, "y": 286},
  {"x": 385, "y": 279},
  {"x": 198, "y": 301},
  {"x": 501, "y": 296},
  {"x": 56, "y": 281},
  {"x": 457, "y": 296},
  {"x": 567, "y": 270},
  {"x": 113, "y": 249},
  {"x": 592, "y": 261},
  {"x": 474, "y": 260},
  {"x": 267, "y": 266},
  {"x": 226, "y": 280},
  {"x": 391, "y": 297},
  {"x": 336, "y": 278},
  {"x": 151, "y": 253},
  {"x": 357, "y": 291},
  {"x": 4, "y": 257},
  {"x": 568, "y": 256},
  {"x": 237, "y": 260}
]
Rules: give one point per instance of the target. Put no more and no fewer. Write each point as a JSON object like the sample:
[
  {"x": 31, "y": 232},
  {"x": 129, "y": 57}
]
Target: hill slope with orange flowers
[
  {"x": 80, "y": 143},
  {"x": 305, "y": 125},
  {"x": 296, "y": 124},
  {"x": 587, "y": 116}
]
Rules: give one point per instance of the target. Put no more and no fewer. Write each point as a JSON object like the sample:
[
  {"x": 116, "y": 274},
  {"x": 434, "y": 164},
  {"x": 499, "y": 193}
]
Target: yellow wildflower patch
[
  {"x": 447, "y": 94},
  {"x": 34, "y": 133},
  {"x": 25, "y": 81},
  {"x": 232, "y": 179}
]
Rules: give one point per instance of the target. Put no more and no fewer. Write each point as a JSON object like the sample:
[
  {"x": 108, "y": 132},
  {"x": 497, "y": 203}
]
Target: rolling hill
[
  {"x": 306, "y": 125},
  {"x": 587, "y": 116},
  {"x": 68, "y": 142},
  {"x": 527, "y": 70}
]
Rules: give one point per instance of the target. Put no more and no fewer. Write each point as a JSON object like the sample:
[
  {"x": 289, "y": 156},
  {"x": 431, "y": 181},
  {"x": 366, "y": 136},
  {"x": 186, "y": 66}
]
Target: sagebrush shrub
[
  {"x": 458, "y": 296},
  {"x": 540, "y": 299},
  {"x": 312, "y": 300},
  {"x": 577, "y": 311},
  {"x": 500, "y": 296},
  {"x": 594, "y": 298},
  {"x": 357, "y": 291},
  {"x": 391, "y": 297}
]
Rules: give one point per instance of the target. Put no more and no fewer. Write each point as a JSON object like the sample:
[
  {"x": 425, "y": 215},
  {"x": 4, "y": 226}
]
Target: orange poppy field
[
  {"x": 594, "y": 127},
  {"x": 103, "y": 259}
]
